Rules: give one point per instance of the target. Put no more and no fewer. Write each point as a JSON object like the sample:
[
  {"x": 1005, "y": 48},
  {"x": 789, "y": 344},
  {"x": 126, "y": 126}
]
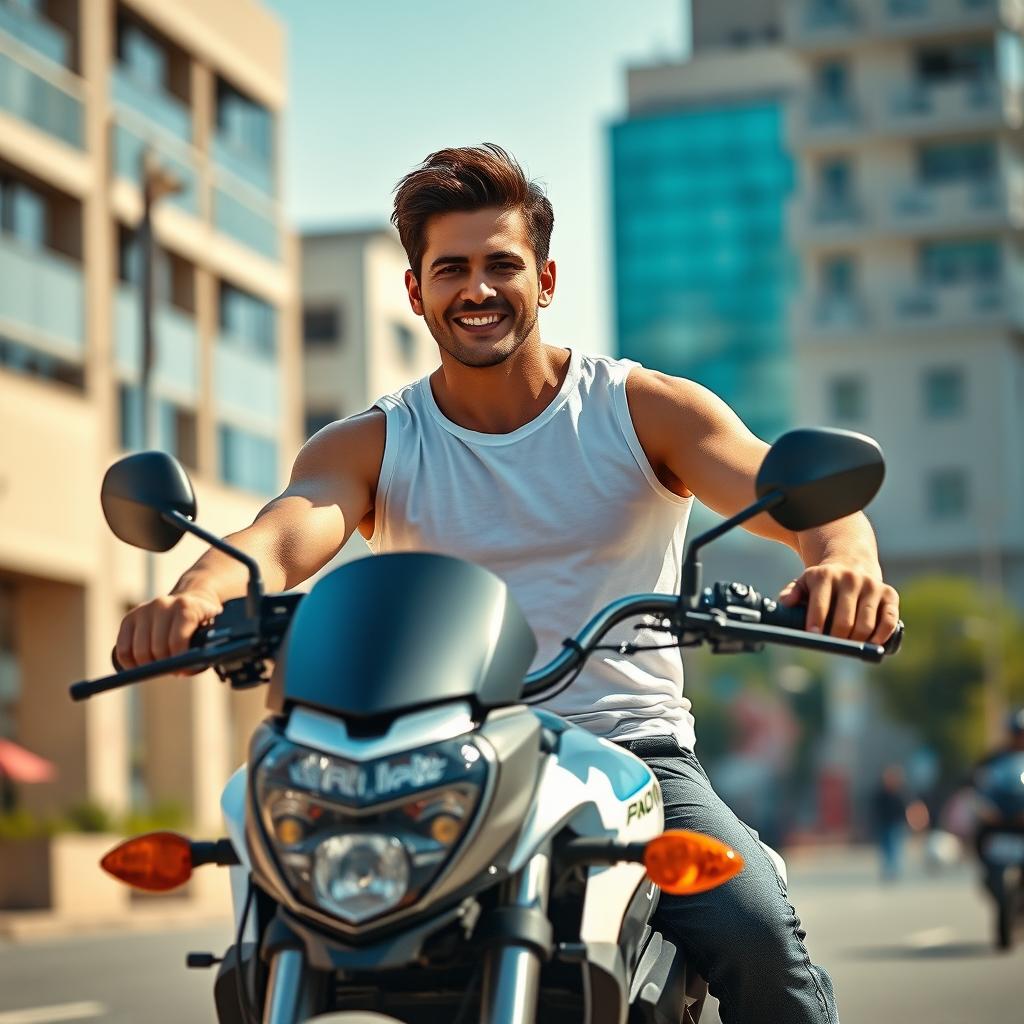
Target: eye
[{"x": 506, "y": 266}]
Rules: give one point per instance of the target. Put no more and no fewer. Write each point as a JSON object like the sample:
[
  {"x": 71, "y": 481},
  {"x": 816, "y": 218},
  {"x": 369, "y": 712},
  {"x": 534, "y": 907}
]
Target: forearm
[
  {"x": 849, "y": 541},
  {"x": 225, "y": 577}
]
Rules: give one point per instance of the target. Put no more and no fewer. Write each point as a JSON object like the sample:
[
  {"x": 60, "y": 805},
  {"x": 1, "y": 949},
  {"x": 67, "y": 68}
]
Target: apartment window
[
  {"x": 247, "y": 460},
  {"x": 946, "y": 494},
  {"x": 174, "y": 426},
  {"x": 23, "y": 213},
  {"x": 838, "y": 277},
  {"x": 833, "y": 81},
  {"x": 969, "y": 261},
  {"x": 245, "y": 125},
  {"x": 968, "y": 61},
  {"x": 142, "y": 57},
  {"x": 946, "y": 162},
  {"x": 321, "y": 326},
  {"x": 16, "y": 357},
  {"x": 847, "y": 399},
  {"x": 317, "y": 420},
  {"x": 944, "y": 392},
  {"x": 248, "y": 321}
]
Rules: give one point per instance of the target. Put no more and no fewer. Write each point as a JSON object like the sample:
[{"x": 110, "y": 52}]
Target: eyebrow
[{"x": 500, "y": 255}]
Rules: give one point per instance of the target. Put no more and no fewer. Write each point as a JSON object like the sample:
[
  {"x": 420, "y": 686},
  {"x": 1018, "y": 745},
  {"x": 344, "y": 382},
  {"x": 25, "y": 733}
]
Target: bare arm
[
  {"x": 698, "y": 445},
  {"x": 332, "y": 487}
]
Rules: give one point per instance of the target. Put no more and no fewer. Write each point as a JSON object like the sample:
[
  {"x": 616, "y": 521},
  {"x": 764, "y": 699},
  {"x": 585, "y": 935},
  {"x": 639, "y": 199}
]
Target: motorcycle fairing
[{"x": 463, "y": 638}]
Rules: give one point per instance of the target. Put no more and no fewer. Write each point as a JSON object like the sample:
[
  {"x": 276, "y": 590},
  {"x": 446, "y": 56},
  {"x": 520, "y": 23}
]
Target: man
[{"x": 571, "y": 477}]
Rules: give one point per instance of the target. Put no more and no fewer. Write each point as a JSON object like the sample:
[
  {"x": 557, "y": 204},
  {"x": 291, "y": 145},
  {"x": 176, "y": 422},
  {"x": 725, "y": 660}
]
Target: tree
[{"x": 962, "y": 649}]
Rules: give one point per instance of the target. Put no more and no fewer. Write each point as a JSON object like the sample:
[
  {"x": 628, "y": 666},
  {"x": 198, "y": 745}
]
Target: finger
[
  {"x": 123, "y": 645},
  {"x": 819, "y": 599},
  {"x": 888, "y": 618},
  {"x": 142, "y": 651},
  {"x": 158, "y": 635},
  {"x": 844, "y": 606},
  {"x": 867, "y": 612},
  {"x": 794, "y": 592},
  {"x": 183, "y": 624}
]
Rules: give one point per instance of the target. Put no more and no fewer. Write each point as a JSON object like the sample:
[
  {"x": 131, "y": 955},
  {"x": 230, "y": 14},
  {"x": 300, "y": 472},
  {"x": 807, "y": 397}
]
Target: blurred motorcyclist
[{"x": 998, "y": 781}]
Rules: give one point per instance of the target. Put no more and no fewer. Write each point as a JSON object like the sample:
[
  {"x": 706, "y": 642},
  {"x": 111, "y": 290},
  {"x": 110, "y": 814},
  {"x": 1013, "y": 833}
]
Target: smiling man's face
[{"x": 479, "y": 289}]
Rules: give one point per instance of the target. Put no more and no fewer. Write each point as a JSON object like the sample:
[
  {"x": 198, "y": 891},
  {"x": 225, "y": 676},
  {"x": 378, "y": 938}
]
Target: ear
[
  {"x": 546, "y": 280},
  {"x": 412, "y": 287}
]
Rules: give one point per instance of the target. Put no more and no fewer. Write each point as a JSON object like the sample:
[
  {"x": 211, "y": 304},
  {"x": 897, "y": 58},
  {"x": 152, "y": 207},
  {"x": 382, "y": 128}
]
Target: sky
[{"x": 376, "y": 85}]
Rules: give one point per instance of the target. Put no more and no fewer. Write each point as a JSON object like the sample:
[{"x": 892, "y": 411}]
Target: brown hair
[{"x": 466, "y": 179}]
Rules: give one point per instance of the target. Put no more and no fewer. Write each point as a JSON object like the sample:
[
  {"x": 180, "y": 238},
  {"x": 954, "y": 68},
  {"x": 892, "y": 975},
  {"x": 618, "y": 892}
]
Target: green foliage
[
  {"x": 166, "y": 816},
  {"x": 90, "y": 817},
  {"x": 958, "y": 642}
]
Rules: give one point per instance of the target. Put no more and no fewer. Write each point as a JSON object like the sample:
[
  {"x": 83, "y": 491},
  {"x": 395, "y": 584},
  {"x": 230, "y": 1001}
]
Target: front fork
[
  {"x": 295, "y": 992},
  {"x": 512, "y": 972}
]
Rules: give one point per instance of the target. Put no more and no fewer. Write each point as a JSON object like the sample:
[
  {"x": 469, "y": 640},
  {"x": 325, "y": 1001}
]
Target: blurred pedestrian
[{"x": 890, "y": 806}]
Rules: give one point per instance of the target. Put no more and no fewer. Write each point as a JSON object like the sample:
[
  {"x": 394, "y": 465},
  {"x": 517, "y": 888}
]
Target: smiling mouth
[{"x": 479, "y": 323}]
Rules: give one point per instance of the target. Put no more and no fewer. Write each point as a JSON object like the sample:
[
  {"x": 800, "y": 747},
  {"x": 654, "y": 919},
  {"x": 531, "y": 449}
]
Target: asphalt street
[{"x": 917, "y": 950}]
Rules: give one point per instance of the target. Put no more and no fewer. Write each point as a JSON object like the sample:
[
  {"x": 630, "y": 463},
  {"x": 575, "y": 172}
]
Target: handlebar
[{"x": 730, "y": 617}]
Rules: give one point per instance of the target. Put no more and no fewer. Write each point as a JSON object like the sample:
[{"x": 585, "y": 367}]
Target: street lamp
[{"x": 157, "y": 182}]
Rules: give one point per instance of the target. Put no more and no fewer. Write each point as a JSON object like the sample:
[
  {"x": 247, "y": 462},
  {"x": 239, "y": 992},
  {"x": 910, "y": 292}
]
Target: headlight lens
[
  {"x": 360, "y": 876},
  {"x": 357, "y": 840}
]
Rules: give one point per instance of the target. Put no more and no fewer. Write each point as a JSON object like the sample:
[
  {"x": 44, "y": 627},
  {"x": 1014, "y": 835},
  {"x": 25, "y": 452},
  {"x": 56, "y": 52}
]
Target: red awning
[{"x": 21, "y": 765}]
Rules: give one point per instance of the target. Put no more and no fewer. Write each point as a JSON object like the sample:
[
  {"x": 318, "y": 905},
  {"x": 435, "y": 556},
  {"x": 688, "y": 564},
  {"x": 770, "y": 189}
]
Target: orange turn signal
[
  {"x": 684, "y": 863},
  {"x": 156, "y": 862}
]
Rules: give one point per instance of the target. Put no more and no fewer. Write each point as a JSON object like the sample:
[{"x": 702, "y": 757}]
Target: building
[
  {"x": 700, "y": 181},
  {"x": 360, "y": 336},
  {"x": 85, "y": 87},
  {"x": 703, "y": 268},
  {"x": 909, "y": 225}
]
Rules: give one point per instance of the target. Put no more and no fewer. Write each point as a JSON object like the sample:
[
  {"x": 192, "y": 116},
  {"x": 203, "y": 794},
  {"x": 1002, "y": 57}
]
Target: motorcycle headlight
[{"x": 358, "y": 839}]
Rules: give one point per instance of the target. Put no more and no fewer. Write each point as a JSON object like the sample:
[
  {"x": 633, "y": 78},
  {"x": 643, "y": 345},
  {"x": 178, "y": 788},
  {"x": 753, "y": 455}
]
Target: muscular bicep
[
  {"x": 691, "y": 434},
  {"x": 331, "y": 489}
]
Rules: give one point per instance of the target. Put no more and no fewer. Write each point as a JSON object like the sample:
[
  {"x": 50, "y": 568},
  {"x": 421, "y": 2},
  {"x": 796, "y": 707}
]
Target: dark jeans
[{"x": 744, "y": 936}]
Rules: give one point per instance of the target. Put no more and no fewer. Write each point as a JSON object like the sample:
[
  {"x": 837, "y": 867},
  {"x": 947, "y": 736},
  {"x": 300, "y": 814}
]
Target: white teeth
[{"x": 479, "y": 321}]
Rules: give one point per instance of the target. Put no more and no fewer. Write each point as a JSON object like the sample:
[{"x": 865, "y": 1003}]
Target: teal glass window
[
  {"x": 946, "y": 494},
  {"x": 703, "y": 269},
  {"x": 963, "y": 261},
  {"x": 247, "y": 460},
  {"x": 247, "y": 321},
  {"x": 847, "y": 399}
]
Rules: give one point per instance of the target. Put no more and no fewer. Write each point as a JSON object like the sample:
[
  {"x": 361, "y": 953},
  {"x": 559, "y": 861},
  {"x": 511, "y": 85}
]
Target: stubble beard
[{"x": 468, "y": 354}]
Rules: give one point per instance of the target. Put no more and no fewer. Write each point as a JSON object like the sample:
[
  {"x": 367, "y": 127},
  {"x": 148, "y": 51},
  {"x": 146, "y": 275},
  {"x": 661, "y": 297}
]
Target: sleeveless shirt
[{"x": 568, "y": 511}]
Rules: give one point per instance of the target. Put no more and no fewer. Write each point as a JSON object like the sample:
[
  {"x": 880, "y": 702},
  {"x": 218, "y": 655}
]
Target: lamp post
[{"x": 157, "y": 182}]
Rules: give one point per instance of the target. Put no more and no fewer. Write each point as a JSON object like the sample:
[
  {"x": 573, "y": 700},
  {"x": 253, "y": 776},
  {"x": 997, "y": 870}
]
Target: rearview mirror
[
  {"x": 138, "y": 490},
  {"x": 823, "y": 475}
]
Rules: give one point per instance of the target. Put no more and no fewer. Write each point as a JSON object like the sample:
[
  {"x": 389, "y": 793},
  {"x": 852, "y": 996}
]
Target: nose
[{"x": 478, "y": 290}]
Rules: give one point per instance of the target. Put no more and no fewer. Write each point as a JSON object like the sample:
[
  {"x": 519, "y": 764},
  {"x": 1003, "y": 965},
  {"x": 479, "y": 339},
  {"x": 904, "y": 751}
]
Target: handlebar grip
[{"x": 795, "y": 616}]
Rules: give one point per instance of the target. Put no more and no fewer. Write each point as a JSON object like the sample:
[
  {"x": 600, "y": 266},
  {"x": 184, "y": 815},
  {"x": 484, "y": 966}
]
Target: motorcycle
[
  {"x": 999, "y": 841},
  {"x": 412, "y": 835}
]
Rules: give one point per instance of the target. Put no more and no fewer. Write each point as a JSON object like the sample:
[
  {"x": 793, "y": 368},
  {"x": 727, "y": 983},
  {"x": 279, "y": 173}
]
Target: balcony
[
  {"x": 965, "y": 104},
  {"x": 159, "y": 108},
  {"x": 42, "y": 299},
  {"x": 255, "y": 172},
  {"x": 247, "y": 386},
  {"x": 821, "y": 120},
  {"x": 924, "y": 209},
  {"x": 249, "y": 220},
  {"x": 831, "y": 220},
  {"x": 40, "y": 35},
  {"x": 41, "y": 93},
  {"x": 910, "y": 18},
  {"x": 812, "y": 24},
  {"x": 927, "y": 306},
  {"x": 176, "y": 369},
  {"x": 832, "y": 317}
]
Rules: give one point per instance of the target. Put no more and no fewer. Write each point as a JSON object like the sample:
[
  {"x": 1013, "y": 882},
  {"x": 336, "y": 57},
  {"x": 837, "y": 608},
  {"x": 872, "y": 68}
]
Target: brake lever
[
  {"x": 716, "y": 624},
  {"x": 197, "y": 659}
]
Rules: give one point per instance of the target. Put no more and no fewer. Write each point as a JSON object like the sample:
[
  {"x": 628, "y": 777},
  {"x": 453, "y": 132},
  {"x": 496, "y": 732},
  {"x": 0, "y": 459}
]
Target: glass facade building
[{"x": 703, "y": 272}]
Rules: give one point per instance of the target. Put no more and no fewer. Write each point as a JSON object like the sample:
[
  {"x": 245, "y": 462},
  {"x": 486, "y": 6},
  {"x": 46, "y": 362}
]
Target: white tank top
[{"x": 569, "y": 513}]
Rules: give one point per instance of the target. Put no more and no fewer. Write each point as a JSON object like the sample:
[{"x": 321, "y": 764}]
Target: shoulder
[
  {"x": 351, "y": 448},
  {"x": 660, "y": 403}
]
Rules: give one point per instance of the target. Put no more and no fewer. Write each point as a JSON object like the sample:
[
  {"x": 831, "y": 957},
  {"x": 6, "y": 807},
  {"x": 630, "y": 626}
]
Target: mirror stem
[
  {"x": 254, "y": 592},
  {"x": 691, "y": 584}
]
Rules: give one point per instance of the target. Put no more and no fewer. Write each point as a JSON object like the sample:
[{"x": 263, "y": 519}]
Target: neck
[{"x": 500, "y": 399}]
